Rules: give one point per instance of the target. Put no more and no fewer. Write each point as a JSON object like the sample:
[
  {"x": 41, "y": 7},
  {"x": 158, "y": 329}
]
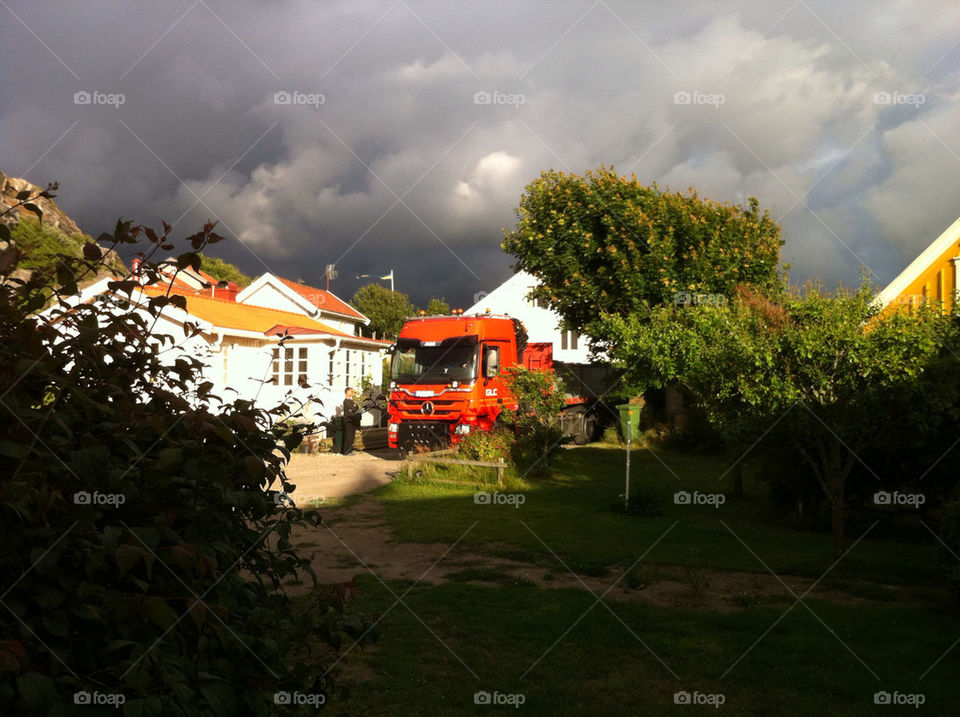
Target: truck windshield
[{"x": 434, "y": 364}]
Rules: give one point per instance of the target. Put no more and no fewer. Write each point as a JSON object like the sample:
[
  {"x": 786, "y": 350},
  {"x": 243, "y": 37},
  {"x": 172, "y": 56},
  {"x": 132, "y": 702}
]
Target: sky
[{"x": 400, "y": 135}]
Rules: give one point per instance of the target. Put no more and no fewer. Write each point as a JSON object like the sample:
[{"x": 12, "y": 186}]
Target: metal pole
[{"x": 626, "y": 492}]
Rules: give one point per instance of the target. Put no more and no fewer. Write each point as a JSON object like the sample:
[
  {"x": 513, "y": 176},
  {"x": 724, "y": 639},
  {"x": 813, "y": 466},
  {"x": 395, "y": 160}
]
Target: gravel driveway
[{"x": 320, "y": 476}]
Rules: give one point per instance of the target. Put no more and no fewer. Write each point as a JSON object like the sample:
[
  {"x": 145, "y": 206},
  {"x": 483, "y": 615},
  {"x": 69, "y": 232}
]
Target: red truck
[{"x": 447, "y": 379}]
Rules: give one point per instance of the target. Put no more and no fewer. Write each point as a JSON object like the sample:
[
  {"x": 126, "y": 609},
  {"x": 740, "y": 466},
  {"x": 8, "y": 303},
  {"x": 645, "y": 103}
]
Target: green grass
[
  {"x": 883, "y": 623},
  {"x": 574, "y": 515},
  {"x": 511, "y": 640}
]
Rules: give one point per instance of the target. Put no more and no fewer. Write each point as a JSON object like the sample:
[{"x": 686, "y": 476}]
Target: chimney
[{"x": 226, "y": 290}]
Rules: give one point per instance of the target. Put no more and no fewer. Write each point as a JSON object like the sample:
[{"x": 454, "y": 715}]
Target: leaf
[
  {"x": 35, "y": 209},
  {"x": 4, "y": 232},
  {"x": 91, "y": 251},
  {"x": 25, "y": 194},
  {"x": 254, "y": 466},
  {"x": 160, "y": 612},
  {"x": 36, "y": 690},
  {"x": 126, "y": 556}
]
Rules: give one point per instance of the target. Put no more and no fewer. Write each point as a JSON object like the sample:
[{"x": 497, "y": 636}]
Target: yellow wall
[{"x": 936, "y": 283}]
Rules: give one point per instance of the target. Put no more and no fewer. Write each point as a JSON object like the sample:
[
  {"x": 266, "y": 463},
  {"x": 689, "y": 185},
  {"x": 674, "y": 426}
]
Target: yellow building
[{"x": 934, "y": 276}]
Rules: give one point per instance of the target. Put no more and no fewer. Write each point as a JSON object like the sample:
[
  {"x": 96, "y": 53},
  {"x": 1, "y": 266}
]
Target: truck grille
[
  {"x": 429, "y": 434},
  {"x": 441, "y": 408}
]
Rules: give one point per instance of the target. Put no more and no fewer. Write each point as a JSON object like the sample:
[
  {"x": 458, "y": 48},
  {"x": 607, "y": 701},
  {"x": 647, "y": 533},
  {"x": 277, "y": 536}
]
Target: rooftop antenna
[{"x": 331, "y": 273}]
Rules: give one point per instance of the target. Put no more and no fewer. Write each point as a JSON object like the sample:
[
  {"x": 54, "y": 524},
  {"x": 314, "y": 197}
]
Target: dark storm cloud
[{"x": 840, "y": 120}]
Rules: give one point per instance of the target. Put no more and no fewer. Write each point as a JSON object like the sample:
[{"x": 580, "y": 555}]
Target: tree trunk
[
  {"x": 836, "y": 522},
  {"x": 675, "y": 406},
  {"x": 738, "y": 480}
]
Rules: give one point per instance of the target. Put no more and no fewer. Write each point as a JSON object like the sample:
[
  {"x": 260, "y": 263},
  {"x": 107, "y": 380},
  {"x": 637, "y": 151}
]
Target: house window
[
  {"x": 290, "y": 365},
  {"x": 568, "y": 340},
  {"x": 332, "y": 370},
  {"x": 363, "y": 363},
  {"x": 346, "y": 367},
  {"x": 302, "y": 366},
  {"x": 573, "y": 340}
]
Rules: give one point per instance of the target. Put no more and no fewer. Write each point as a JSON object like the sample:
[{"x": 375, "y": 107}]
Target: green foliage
[
  {"x": 438, "y": 306},
  {"x": 816, "y": 368},
  {"x": 42, "y": 244},
  {"x": 144, "y": 557},
  {"x": 387, "y": 310},
  {"x": 605, "y": 243},
  {"x": 536, "y": 420},
  {"x": 223, "y": 271},
  {"x": 489, "y": 445}
]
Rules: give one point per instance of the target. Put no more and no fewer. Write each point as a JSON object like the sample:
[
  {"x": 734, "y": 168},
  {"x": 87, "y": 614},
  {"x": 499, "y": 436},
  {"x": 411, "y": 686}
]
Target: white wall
[{"x": 542, "y": 324}]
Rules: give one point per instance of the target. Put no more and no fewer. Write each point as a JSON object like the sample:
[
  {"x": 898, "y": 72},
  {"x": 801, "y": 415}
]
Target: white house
[
  {"x": 542, "y": 324},
  {"x": 240, "y": 331}
]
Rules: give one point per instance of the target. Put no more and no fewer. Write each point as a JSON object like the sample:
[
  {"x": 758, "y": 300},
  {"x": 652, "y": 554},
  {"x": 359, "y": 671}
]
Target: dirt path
[
  {"x": 322, "y": 476},
  {"x": 355, "y": 540}
]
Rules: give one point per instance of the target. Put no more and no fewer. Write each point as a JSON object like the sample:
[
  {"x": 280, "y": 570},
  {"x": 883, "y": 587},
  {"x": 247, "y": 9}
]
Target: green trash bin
[
  {"x": 336, "y": 427},
  {"x": 629, "y": 416}
]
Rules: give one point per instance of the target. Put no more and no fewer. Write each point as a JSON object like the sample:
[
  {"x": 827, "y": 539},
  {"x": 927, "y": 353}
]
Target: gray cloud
[{"x": 811, "y": 107}]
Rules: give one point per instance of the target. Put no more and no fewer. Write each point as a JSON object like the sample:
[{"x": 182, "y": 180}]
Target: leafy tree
[
  {"x": 387, "y": 310},
  {"x": 143, "y": 559},
  {"x": 223, "y": 270},
  {"x": 438, "y": 306},
  {"x": 602, "y": 243},
  {"x": 818, "y": 368}
]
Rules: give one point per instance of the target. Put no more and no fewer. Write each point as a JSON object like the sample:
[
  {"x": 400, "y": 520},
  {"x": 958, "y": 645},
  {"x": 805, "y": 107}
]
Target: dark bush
[{"x": 142, "y": 560}]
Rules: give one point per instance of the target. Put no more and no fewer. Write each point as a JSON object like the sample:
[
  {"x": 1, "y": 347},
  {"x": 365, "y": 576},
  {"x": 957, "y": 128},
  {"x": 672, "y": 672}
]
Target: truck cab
[{"x": 446, "y": 378}]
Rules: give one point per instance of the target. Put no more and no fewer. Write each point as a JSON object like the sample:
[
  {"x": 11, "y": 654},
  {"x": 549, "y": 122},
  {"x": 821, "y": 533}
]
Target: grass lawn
[{"x": 727, "y": 629}]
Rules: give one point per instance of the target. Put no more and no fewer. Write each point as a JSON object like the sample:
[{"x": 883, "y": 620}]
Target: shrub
[
  {"x": 646, "y": 501},
  {"x": 143, "y": 559},
  {"x": 950, "y": 535},
  {"x": 489, "y": 445},
  {"x": 536, "y": 421}
]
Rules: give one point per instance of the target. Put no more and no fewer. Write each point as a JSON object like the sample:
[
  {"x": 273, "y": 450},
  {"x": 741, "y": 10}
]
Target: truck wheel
[{"x": 585, "y": 428}]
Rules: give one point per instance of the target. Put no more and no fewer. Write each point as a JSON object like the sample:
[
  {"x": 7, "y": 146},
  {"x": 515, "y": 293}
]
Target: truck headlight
[
  {"x": 392, "y": 427},
  {"x": 462, "y": 429}
]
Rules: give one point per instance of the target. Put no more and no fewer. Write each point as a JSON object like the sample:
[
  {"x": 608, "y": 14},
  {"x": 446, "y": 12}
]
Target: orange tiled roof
[
  {"x": 323, "y": 300},
  {"x": 246, "y": 317}
]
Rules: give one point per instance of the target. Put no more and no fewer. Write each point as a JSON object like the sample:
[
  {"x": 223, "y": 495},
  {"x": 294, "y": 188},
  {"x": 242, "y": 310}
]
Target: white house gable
[{"x": 542, "y": 324}]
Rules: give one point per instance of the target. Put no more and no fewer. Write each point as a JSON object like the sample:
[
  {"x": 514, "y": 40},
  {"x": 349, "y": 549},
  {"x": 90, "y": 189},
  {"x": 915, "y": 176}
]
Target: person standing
[{"x": 351, "y": 421}]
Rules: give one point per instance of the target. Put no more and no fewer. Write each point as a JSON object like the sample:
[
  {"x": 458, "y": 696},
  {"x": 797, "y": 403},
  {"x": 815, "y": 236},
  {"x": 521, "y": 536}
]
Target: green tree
[
  {"x": 818, "y": 368},
  {"x": 604, "y": 243},
  {"x": 438, "y": 307},
  {"x": 223, "y": 270},
  {"x": 387, "y": 310},
  {"x": 145, "y": 559}
]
